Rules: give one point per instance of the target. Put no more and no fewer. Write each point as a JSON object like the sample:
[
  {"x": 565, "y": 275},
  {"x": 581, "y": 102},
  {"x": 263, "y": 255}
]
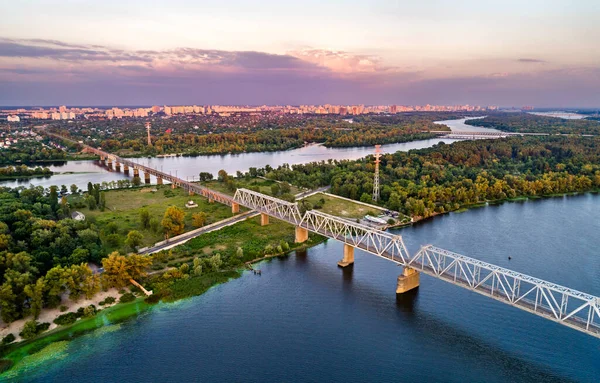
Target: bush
[
  {"x": 152, "y": 299},
  {"x": 89, "y": 311},
  {"x": 127, "y": 297},
  {"x": 66, "y": 319},
  {"x": 107, "y": 301},
  {"x": 8, "y": 339},
  {"x": 29, "y": 329},
  {"x": 63, "y": 308},
  {"x": 391, "y": 221}
]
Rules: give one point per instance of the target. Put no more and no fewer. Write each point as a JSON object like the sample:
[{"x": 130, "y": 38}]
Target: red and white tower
[
  {"x": 148, "y": 130},
  {"x": 376, "y": 178}
]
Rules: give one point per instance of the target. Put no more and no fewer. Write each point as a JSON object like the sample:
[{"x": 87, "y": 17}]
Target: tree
[
  {"x": 74, "y": 189},
  {"x": 8, "y": 306},
  {"x": 102, "y": 203},
  {"x": 136, "y": 181},
  {"x": 173, "y": 221},
  {"x": 222, "y": 175},
  {"x": 215, "y": 262},
  {"x": 205, "y": 176},
  {"x": 119, "y": 269},
  {"x": 199, "y": 219},
  {"x": 91, "y": 202},
  {"x": 35, "y": 293},
  {"x": 30, "y": 329},
  {"x": 197, "y": 266},
  {"x": 145, "y": 218},
  {"x": 134, "y": 239}
]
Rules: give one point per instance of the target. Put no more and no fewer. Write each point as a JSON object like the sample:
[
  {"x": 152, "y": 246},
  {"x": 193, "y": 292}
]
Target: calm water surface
[{"x": 305, "y": 319}]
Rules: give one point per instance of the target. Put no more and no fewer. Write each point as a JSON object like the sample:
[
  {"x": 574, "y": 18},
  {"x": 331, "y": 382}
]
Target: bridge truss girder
[
  {"x": 560, "y": 304},
  {"x": 275, "y": 207},
  {"x": 377, "y": 242}
]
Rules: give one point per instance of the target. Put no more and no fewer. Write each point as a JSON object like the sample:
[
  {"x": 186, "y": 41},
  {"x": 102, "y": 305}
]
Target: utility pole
[{"x": 376, "y": 178}]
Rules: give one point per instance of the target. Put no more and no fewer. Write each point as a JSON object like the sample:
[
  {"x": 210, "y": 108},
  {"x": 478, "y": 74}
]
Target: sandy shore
[{"x": 48, "y": 315}]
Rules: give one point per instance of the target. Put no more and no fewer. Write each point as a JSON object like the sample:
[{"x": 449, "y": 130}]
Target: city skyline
[{"x": 538, "y": 53}]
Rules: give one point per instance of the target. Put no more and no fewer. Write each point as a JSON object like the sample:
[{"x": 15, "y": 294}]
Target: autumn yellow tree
[
  {"x": 173, "y": 221},
  {"x": 199, "y": 219},
  {"x": 119, "y": 269}
]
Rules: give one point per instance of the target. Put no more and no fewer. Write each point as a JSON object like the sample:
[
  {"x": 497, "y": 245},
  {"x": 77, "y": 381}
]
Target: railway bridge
[{"x": 563, "y": 305}]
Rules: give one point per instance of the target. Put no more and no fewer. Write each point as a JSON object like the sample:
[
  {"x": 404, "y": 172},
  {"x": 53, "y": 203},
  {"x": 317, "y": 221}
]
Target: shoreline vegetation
[
  {"x": 23, "y": 172},
  {"x": 14, "y": 355}
]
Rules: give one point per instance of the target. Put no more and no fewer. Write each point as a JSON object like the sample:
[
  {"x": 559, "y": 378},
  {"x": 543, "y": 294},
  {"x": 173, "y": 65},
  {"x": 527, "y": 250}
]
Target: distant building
[
  {"x": 78, "y": 216},
  {"x": 13, "y": 119}
]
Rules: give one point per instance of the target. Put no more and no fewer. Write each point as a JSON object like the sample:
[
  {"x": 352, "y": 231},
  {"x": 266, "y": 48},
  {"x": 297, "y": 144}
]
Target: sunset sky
[{"x": 75, "y": 52}]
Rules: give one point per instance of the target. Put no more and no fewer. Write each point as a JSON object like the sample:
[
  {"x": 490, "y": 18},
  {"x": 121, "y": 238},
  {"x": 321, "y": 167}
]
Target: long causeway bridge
[{"x": 568, "y": 307}]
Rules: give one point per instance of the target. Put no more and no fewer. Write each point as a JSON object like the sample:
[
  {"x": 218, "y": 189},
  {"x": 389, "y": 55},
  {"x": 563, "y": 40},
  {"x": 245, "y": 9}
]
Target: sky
[{"x": 133, "y": 52}]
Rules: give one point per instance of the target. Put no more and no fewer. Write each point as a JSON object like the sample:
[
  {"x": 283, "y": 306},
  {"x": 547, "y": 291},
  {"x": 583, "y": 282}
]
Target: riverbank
[{"x": 173, "y": 283}]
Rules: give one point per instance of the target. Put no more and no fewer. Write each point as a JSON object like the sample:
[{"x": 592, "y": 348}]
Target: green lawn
[
  {"x": 341, "y": 207},
  {"x": 123, "y": 208}
]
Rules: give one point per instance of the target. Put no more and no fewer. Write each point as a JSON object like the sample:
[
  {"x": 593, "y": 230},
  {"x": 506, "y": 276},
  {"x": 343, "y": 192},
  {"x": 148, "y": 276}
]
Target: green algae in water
[{"x": 51, "y": 353}]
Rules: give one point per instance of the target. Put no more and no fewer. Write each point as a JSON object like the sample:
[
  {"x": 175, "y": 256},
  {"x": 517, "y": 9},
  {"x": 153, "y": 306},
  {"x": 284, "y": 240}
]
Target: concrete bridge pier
[
  {"x": 301, "y": 234},
  {"x": 118, "y": 166},
  {"x": 173, "y": 186},
  {"x": 264, "y": 219},
  {"x": 191, "y": 192},
  {"x": 136, "y": 172},
  {"x": 159, "y": 180},
  {"x": 103, "y": 160},
  {"x": 235, "y": 208},
  {"x": 146, "y": 177},
  {"x": 126, "y": 169},
  {"x": 348, "y": 256},
  {"x": 409, "y": 280},
  {"x": 109, "y": 164}
]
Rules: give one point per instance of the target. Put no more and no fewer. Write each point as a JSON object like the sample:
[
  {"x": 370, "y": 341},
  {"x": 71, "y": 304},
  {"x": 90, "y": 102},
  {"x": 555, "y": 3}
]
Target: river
[
  {"x": 305, "y": 319},
  {"x": 82, "y": 172}
]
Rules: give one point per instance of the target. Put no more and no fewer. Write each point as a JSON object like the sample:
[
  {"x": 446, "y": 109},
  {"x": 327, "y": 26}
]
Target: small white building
[
  {"x": 78, "y": 216},
  {"x": 13, "y": 118}
]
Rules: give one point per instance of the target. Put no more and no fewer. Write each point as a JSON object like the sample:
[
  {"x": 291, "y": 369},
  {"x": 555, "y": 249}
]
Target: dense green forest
[
  {"x": 42, "y": 254},
  {"x": 531, "y": 123},
  {"x": 445, "y": 177},
  {"x": 27, "y": 151}
]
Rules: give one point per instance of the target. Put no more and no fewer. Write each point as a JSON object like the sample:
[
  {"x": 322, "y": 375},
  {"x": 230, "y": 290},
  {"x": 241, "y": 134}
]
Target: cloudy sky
[{"x": 134, "y": 52}]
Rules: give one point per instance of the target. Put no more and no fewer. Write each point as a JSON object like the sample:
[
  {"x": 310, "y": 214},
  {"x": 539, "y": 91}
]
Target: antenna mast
[
  {"x": 376, "y": 178},
  {"x": 148, "y": 130}
]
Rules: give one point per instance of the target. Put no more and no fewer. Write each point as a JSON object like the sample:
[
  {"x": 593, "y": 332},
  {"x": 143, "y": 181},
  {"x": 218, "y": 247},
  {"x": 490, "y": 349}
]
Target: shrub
[
  {"x": 152, "y": 299},
  {"x": 107, "y": 301},
  {"x": 127, "y": 297},
  {"x": 8, "y": 339},
  {"x": 391, "y": 221},
  {"x": 66, "y": 319},
  {"x": 63, "y": 308},
  {"x": 89, "y": 311},
  {"x": 29, "y": 329}
]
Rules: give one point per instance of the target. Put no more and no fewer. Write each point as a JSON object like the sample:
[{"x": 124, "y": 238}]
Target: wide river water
[{"x": 305, "y": 319}]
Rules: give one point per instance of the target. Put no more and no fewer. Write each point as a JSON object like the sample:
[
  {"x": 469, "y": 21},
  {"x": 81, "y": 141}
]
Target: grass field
[
  {"x": 123, "y": 208},
  {"x": 341, "y": 207},
  {"x": 263, "y": 185}
]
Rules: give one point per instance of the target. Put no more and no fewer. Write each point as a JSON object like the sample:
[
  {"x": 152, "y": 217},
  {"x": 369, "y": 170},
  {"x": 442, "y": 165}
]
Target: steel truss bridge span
[
  {"x": 560, "y": 304},
  {"x": 557, "y": 303}
]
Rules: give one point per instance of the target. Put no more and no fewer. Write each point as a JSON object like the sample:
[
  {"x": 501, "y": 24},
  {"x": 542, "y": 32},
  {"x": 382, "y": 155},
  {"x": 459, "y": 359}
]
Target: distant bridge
[
  {"x": 557, "y": 303},
  {"x": 475, "y": 135}
]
